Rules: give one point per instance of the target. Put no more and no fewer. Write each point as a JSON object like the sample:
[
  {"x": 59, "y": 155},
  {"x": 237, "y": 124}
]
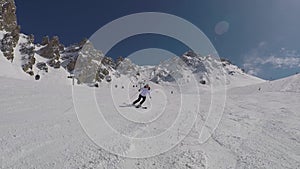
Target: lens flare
[{"x": 221, "y": 27}]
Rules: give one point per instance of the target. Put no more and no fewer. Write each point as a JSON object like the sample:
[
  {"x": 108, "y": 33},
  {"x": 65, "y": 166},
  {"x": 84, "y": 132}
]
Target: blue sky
[{"x": 261, "y": 36}]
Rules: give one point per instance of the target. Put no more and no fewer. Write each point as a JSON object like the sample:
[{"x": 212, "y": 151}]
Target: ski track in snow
[{"x": 39, "y": 129}]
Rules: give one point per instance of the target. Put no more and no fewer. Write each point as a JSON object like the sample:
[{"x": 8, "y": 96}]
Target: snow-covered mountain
[
  {"x": 205, "y": 70},
  {"x": 35, "y": 60},
  {"x": 89, "y": 66}
]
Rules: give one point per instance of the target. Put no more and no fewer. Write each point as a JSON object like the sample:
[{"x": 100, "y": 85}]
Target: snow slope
[
  {"x": 288, "y": 84},
  {"x": 11, "y": 70},
  {"x": 39, "y": 127}
]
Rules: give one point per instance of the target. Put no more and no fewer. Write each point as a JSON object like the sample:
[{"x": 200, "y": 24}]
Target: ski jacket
[{"x": 144, "y": 92}]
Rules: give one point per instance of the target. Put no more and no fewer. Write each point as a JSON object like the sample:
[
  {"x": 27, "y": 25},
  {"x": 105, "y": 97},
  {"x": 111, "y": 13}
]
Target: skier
[{"x": 143, "y": 93}]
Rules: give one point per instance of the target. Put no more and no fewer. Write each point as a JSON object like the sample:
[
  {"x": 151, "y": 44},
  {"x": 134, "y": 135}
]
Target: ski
[
  {"x": 142, "y": 107},
  {"x": 130, "y": 105},
  {"x": 127, "y": 105}
]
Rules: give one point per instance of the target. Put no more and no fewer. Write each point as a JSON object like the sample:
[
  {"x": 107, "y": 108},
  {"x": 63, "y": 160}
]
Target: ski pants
[{"x": 139, "y": 99}]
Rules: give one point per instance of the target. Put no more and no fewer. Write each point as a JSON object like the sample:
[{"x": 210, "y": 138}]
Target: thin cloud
[
  {"x": 282, "y": 62},
  {"x": 256, "y": 60}
]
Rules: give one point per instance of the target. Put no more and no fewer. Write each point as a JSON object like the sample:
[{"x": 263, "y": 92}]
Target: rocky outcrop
[
  {"x": 27, "y": 51},
  {"x": 87, "y": 64},
  {"x": 91, "y": 67},
  {"x": 8, "y": 24},
  {"x": 8, "y": 18},
  {"x": 45, "y": 41},
  {"x": 126, "y": 67},
  {"x": 70, "y": 55},
  {"x": 52, "y": 48},
  {"x": 42, "y": 66}
]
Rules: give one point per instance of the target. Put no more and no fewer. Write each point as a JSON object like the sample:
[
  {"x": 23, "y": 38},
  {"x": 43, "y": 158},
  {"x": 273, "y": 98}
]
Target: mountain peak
[
  {"x": 8, "y": 25},
  {"x": 89, "y": 65},
  {"x": 8, "y": 18}
]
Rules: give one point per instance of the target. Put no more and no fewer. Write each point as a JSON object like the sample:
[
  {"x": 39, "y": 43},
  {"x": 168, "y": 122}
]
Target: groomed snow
[{"x": 39, "y": 128}]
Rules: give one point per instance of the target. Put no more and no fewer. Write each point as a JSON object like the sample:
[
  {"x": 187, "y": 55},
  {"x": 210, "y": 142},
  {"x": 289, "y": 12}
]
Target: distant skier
[{"x": 142, "y": 96}]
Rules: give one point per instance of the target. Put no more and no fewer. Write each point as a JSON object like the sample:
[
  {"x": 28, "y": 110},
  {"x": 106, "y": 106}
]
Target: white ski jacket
[{"x": 144, "y": 92}]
